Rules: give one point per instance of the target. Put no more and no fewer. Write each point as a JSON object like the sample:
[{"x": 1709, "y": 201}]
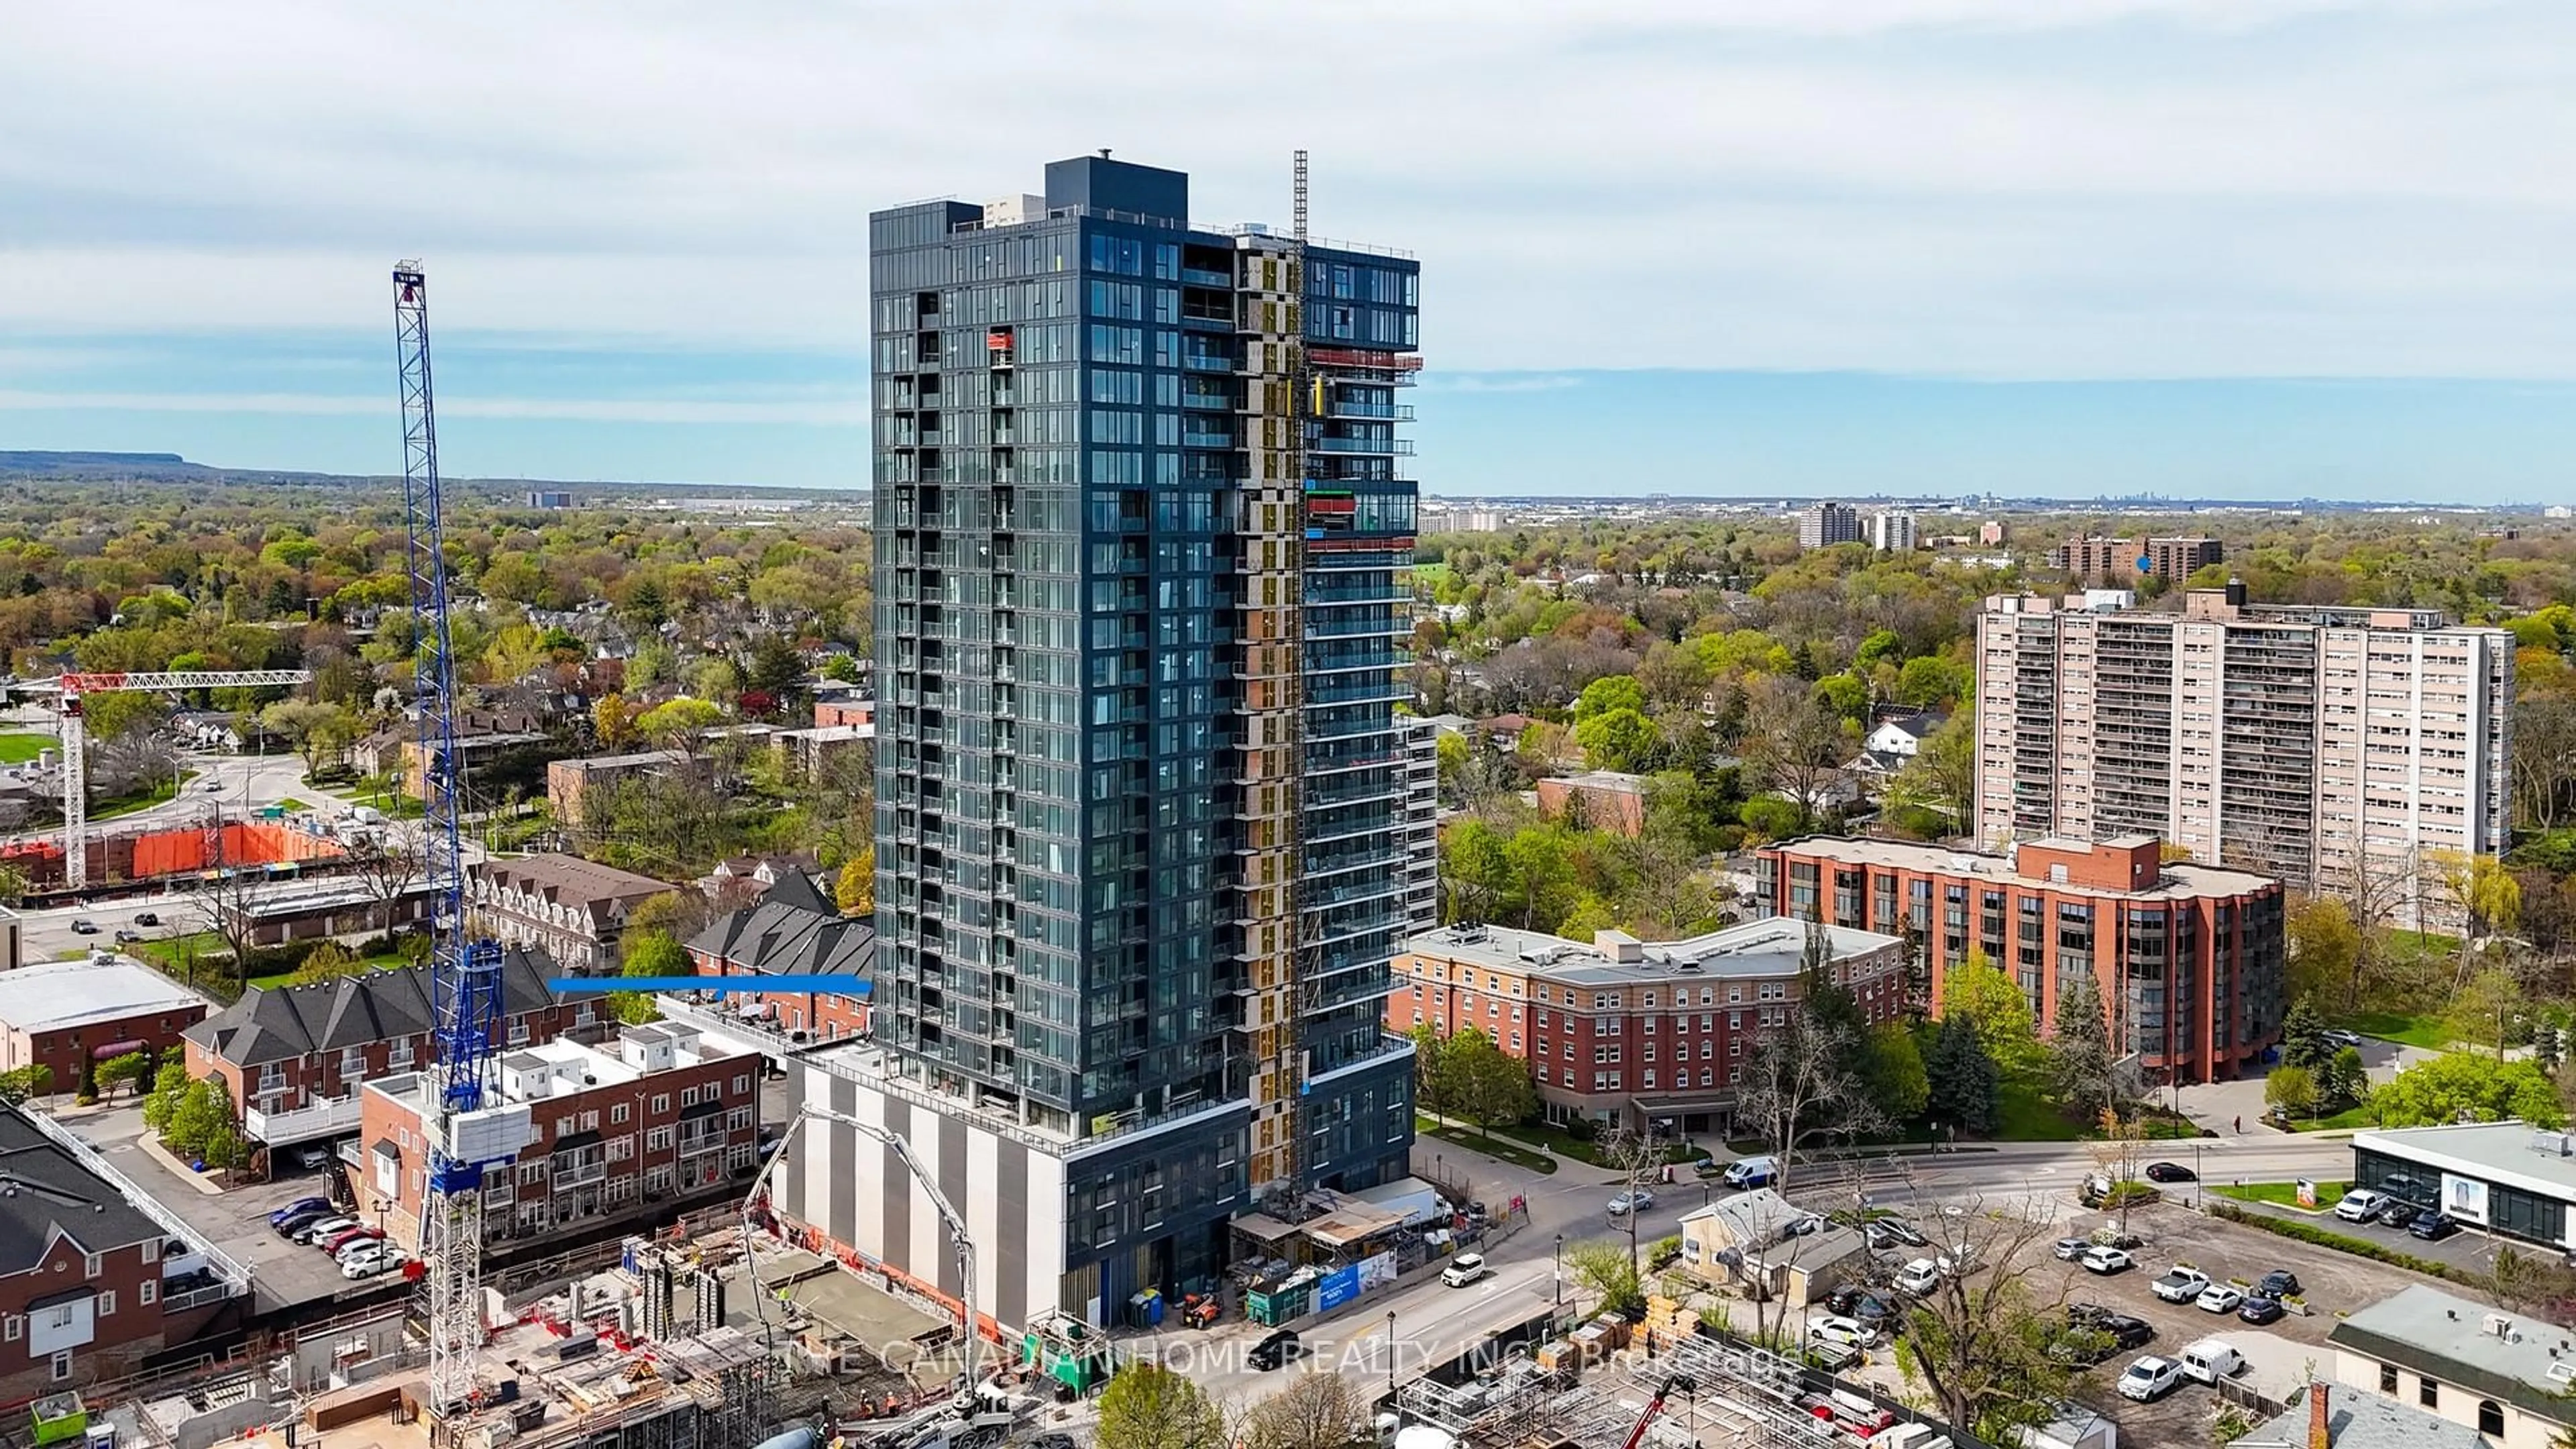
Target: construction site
[
  {"x": 722, "y": 1341},
  {"x": 212, "y": 840}
]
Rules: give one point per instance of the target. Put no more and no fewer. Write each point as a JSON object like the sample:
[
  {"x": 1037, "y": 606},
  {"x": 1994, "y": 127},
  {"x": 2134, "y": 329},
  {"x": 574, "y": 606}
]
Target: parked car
[
  {"x": 297, "y": 1208},
  {"x": 2259, "y": 1309},
  {"x": 2107, "y": 1261},
  {"x": 1918, "y": 1277},
  {"x": 1270, "y": 1353},
  {"x": 2220, "y": 1298},
  {"x": 2180, "y": 1283},
  {"x": 1834, "y": 1328},
  {"x": 2399, "y": 1212},
  {"x": 1859, "y": 1303},
  {"x": 2359, "y": 1205},
  {"x": 2169, "y": 1172},
  {"x": 2150, "y": 1378},
  {"x": 2279, "y": 1283},
  {"x": 321, "y": 1228},
  {"x": 147, "y": 918},
  {"x": 84, "y": 926},
  {"x": 2210, "y": 1360},
  {"x": 369, "y": 1264},
  {"x": 1634, "y": 1200},
  {"x": 1752, "y": 1172},
  {"x": 2342, "y": 1038},
  {"x": 312, "y": 1156},
  {"x": 1800, "y": 1227},
  {"x": 343, "y": 1238},
  {"x": 1957, "y": 1258},
  {"x": 2433, "y": 1226},
  {"x": 2070, "y": 1249},
  {"x": 1464, "y": 1269},
  {"x": 292, "y": 1228},
  {"x": 128, "y": 938},
  {"x": 1893, "y": 1232},
  {"x": 2126, "y": 1329}
]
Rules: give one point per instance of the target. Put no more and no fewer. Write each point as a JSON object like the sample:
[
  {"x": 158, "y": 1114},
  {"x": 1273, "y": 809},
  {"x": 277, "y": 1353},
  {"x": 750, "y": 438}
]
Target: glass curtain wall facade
[{"x": 1139, "y": 880}]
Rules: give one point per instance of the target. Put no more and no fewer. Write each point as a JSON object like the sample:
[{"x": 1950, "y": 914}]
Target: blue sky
[{"x": 2253, "y": 248}]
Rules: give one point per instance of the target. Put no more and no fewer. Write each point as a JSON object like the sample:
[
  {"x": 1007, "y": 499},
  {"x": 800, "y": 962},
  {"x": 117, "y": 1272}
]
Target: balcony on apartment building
[{"x": 323, "y": 1117}]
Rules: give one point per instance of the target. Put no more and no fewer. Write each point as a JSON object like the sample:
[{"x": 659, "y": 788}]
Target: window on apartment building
[
  {"x": 106, "y": 1302},
  {"x": 518, "y": 1031},
  {"x": 58, "y": 1319},
  {"x": 2388, "y": 1379},
  {"x": 657, "y": 1180},
  {"x": 2491, "y": 1418},
  {"x": 1650, "y": 1023},
  {"x": 2428, "y": 1393},
  {"x": 1605, "y": 1053},
  {"x": 1569, "y": 1076},
  {"x": 1734, "y": 1075},
  {"x": 657, "y": 1139},
  {"x": 16, "y": 1326},
  {"x": 1616, "y": 1026},
  {"x": 584, "y": 1014},
  {"x": 146, "y": 1291},
  {"x": 1735, "y": 1046},
  {"x": 62, "y": 1366},
  {"x": 1604, "y": 1081},
  {"x": 740, "y": 1117},
  {"x": 1650, "y": 1076},
  {"x": 1569, "y": 1049},
  {"x": 1734, "y": 994},
  {"x": 90, "y": 1265},
  {"x": 619, "y": 1148},
  {"x": 618, "y": 1112},
  {"x": 1707, "y": 1048},
  {"x": 1649, "y": 1054},
  {"x": 590, "y": 1121},
  {"x": 532, "y": 1173},
  {"x": 152, "y": 1250},
  {"x": 563, "y": 1127},
  {"x": 661, "y": 1103},
  {"x": 688, "y": 1097}
]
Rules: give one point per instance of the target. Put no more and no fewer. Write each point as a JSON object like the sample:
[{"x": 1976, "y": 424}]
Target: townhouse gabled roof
[
  {"x": 45, "y": 1190},
  {"x": 793, "y": 929},
  {"x": 276, "y": 1023},
  {"x": 600, "y": 890}
]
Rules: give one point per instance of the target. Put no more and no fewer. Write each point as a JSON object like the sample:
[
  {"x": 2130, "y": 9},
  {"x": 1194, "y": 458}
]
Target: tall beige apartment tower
[{"x": 2337, "y": 748}]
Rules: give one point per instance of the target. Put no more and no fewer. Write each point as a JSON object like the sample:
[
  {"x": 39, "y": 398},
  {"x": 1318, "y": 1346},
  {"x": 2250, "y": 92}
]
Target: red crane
[{"x": 1654, "y": 1408}]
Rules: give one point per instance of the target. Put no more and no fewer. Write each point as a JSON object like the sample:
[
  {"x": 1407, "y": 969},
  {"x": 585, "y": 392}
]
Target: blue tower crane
[{"x": 465, "y": 975}]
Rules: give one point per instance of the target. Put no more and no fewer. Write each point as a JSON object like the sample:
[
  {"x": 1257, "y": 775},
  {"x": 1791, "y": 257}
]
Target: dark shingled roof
[
  {"x": 792, "y": 929},
  {"x": 275, "y": 1023},
  {"x": 44, "y": 1188}
]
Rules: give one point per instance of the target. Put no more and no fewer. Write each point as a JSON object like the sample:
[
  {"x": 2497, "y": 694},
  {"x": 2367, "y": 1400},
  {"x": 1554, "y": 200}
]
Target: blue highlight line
[{"x": 719, "y": 985}]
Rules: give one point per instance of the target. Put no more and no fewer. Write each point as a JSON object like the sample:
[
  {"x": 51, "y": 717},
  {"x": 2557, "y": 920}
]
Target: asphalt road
[{"x": 1434, "y": 1323}]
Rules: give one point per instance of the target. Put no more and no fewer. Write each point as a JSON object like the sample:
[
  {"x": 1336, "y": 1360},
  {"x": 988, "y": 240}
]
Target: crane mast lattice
[
  {"x": 465, "y": 975},
  {"x": 75, "y": 736}
]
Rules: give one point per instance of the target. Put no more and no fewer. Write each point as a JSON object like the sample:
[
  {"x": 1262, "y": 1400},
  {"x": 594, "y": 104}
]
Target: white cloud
[{"x": 1986, "y": 187}]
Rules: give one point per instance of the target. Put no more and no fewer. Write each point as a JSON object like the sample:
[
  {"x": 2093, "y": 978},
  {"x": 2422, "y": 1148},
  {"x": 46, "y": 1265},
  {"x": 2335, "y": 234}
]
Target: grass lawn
[
  {"x": 160, "y": 794},
  {"x": 2023, "y": 1114},
  {"x": 1581, "y": 1149},
  {"x": 2425, "y": 1031},
  {"x": 2284, "y": 1193},
  {"x": 19, "y": 746},
  {"x": 1492, "y": 1145},
  {"x": 2344, "y": 1121},
  {"x": 291, "y": 805}
]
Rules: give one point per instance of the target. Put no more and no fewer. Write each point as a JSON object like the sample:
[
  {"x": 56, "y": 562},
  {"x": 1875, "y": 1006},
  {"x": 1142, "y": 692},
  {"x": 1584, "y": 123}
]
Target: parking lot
[
  {"x": 236, "y": 1220},
  {"x": 2467, "y": 1248}
]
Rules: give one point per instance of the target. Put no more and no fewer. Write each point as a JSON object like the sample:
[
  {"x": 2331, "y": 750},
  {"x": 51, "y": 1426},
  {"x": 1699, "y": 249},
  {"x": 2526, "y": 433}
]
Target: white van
[
  {"x": 2210, "y": 1360},
  {"x": 1752, "y": 1172}
]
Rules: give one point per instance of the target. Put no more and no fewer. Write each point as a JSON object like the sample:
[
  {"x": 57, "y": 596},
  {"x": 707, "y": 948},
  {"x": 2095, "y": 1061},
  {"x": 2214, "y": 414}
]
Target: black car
[
  {"x": 1281, "y": 1346},
  {"x": 2169, "y": 1172},
  {"x": 2432, "y": 1226},
  {"x": 289, "y": 1227},
  {"x": 1860, "y": 1304},
  {"x": 2398, "y": 1212},
  {"x": 2126, "y": 1330},
  {"x": 147, "y": 918},
  {"x": 2279, "y": 1283},
  {"x": 2260, "y": 1308}
]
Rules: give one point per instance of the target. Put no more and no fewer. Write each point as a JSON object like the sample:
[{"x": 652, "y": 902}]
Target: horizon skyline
[{"x": 1978, "y": 242}]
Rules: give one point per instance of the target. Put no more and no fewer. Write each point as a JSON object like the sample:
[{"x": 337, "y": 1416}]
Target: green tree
[
  {"x": 1993, "y": 1003},
  {"x": 1430, "y": 1083},
  {"x": 2465, "y": 1086},
  {"x": 324, "y": 962},
  {"x": 649, "y": 952},
  {"x": 2079, "y": 1052},
  {"x": 1609, "y": 695},
  {"x": 202, "y": 1126},
  {"x": 2344, "y": 1080},
  {"x": 1482, "y": 1083},
  {"x": 1622, "y": 740},
  {"x": 1542, "y": 861},
  {"x": 1963, "y": 1086},
  {"x": 2326, "y": 952},
  {"x": 2292, "y": 1089},
  {"x": 125, "y": 1068},
  {"x": 1604, "y": 1266},
  {"x": 2486, "y": 1008},
  {"x": 1894, "y": 1072},
  {"x": 169, "y": 1087},
  {"x": 855, "y": 889},
  {"x": 1930, "y": 682},
  {"x": 20, "y": 1084},
  {"x": 2304, "y": 1043},
  {"x": 679, "y": 724},
  {"x": 1147, "y": 1406}
]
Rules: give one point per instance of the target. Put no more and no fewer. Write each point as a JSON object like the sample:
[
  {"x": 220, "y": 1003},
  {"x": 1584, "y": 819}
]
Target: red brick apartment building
[
  {"x": 1600, "y": 799},
  {"x": 294, "y": 1057},
  {"x": 2187, "y": 958},
  {"x": 93, "y": 1276},
  {"x": 64, "y": 1015},
  {"x": 1623, "y": 1031},
  {"x": 663, "y": 1117}
]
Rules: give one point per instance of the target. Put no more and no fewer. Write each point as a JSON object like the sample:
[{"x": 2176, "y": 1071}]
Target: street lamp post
[
  {"x": 1560, "y": 1272},
  {"x": 1390, "y": 1364}
]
